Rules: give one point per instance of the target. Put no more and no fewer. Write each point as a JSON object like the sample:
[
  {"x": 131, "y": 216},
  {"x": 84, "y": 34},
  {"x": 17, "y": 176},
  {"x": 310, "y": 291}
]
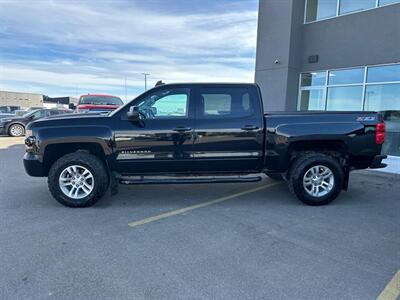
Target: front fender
[{"x": 101, "y": 135}]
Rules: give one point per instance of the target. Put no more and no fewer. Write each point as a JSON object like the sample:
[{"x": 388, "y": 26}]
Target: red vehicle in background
[{"x": 97, "y": 103}]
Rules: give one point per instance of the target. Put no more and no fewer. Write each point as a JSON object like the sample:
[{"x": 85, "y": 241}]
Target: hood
[
  {"x": 69, "y": 119},
  {"x": 12, "y": 118},
  {"x": 76, "y": 115}
]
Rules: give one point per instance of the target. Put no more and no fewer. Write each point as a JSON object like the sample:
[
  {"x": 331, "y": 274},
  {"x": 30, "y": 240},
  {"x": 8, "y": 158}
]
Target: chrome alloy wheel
[
  {"x": 318, "y": 181},
  {"x": 76, "y": 182},
  {"x": 16, "y": 130}
]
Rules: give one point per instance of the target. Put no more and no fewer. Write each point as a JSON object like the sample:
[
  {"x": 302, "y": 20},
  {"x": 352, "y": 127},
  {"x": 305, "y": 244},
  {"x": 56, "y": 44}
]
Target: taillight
[{"x": 380, "y": 133}]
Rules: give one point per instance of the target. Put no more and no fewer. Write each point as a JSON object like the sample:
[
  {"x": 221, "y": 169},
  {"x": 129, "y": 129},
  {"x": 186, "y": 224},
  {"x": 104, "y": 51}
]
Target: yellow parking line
[
  {"x": 189, "y": 208},
  {"x": 392, "y": 290}
]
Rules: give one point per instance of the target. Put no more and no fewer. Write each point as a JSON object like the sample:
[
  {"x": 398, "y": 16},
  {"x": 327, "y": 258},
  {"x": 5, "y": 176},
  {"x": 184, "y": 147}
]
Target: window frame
[
  {"x": 338, "y": 14},
  {"x": 325, "y": 87}
]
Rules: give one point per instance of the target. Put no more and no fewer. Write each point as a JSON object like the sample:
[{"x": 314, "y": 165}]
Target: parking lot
[{"x": 221, "y": 241}]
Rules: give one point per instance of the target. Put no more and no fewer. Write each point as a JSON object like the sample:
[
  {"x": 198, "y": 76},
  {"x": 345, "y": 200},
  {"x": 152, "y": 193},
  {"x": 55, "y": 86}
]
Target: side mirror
[
  {"x": 133, "y": 113},
  {"x": 71, "y": 106}
]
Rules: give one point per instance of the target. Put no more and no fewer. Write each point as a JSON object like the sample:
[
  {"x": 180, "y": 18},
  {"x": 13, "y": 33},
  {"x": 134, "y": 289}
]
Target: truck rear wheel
[
  {"x": 316, "y": 178},
  {"x": 78, "y": 179}
]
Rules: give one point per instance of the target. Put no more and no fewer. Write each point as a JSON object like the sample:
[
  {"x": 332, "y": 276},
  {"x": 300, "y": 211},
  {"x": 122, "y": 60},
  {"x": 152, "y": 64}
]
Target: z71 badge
[{"x": 363, "y": 119}]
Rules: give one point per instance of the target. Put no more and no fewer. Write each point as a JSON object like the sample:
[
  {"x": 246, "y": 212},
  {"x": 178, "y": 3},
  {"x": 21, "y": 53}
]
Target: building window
[
  {"x": 313, "y": 79},
  {"x": 386, "y": 2},
  {"x": 316, "y": 10},
  {"x": 320, "y": 9},
  {"x": 348, "y": 6},
  {"x": 312, "y": 99},
  {"x": 349, "y": 76},
  {"x": 344, "y": 98},
  {"x": 384, "y": 74},
  {"x": 374, "y": 88},
  {"x": 380, "y": 97}
]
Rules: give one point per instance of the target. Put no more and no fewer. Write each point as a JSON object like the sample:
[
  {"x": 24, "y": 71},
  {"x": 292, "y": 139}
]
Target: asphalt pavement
[{"x": 220, "y": 241}]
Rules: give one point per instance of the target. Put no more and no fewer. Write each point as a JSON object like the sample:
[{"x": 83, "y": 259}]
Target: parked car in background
[
  {"x": 5, "y": 109},
  {"x": 96, "y": 103},
  {"x": 20, "y": 112},
  {"x": 3, "y": 115},
  {"x": 15, "y": 125},
  {"x": 34, "y": 108}
]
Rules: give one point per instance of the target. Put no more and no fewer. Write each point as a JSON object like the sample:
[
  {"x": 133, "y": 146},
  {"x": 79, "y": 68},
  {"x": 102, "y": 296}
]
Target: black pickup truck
[{"x": 201, "y": 132}]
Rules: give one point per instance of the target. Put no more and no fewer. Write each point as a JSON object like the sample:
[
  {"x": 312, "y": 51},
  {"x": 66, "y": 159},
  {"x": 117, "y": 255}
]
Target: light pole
[
  {"x": 126, "y": 91},
  {"x": 145, "y": 80}
]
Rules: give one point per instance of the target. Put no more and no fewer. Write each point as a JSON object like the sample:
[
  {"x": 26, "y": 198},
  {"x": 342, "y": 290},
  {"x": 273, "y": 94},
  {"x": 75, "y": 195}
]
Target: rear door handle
[
  {"x": 249, "y": 127},
  {"x": 182, "y": 129}
]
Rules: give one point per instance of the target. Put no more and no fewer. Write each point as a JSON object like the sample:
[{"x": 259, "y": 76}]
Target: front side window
[
  {"x": 166, "y": 104},
  {"x": 230, "y": 102},
  {"x": 39, "y": 114}
]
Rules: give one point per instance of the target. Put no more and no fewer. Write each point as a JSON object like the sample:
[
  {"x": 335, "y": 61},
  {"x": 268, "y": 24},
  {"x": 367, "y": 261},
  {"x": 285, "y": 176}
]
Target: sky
[{"x": 69, "y": 48}]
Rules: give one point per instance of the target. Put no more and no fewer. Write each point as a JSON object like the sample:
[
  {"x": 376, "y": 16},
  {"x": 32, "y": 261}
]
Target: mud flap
[
  {"x": 346, "y": 179},
  {"x": 113, "y": 183}
]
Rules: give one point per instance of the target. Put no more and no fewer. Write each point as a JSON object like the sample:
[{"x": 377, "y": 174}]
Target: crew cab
[
  {"x": 96, "y": 103},
  {"x": 202, "y": 132}
]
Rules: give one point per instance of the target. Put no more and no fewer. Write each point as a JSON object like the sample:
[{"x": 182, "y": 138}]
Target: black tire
[
  {"x": 14, "y": 128},
  {"x": 276, "y": 176},
  {"x": 90, "y": 162},
  {"x": 304, "y": 163}
]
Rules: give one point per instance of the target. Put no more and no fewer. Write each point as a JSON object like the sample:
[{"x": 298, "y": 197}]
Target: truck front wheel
[
  {"x": 78, "y": 179},
  {"x": 316, "y": 178}
]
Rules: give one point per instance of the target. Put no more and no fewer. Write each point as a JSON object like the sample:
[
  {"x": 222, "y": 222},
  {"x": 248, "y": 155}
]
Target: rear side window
[{"x": 225, "y": 102}]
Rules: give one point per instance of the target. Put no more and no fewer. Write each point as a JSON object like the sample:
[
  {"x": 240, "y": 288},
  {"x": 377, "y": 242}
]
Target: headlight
[
  {"x": 30, "y": 141},
  {"x": 5, "y": 120}
]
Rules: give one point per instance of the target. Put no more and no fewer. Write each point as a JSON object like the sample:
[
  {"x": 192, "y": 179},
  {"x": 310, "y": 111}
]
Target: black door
[
  {"x": 229, "y": 129},
  {"x": 162, "y": 140}
]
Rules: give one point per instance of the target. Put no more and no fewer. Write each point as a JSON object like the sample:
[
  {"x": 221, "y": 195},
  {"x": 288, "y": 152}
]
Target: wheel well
[
  {"x": 54, "y": 152},
  {"x": 337, "y": 149},
  {"x": 15, "y": 123}
]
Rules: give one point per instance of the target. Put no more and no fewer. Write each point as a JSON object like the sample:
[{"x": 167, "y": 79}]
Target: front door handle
[
  {"x": 182, "y": 129},
  {"x": 249, "y": 127}
]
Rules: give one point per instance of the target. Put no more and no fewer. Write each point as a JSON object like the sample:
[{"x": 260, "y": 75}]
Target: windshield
[
  {"x": 29, "y": 113},
  {"x": 100, "y": 100}
]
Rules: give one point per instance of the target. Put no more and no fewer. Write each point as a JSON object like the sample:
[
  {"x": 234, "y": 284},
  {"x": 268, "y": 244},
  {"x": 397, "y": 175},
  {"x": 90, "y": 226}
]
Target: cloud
[{"x": 96, "y": 44}]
